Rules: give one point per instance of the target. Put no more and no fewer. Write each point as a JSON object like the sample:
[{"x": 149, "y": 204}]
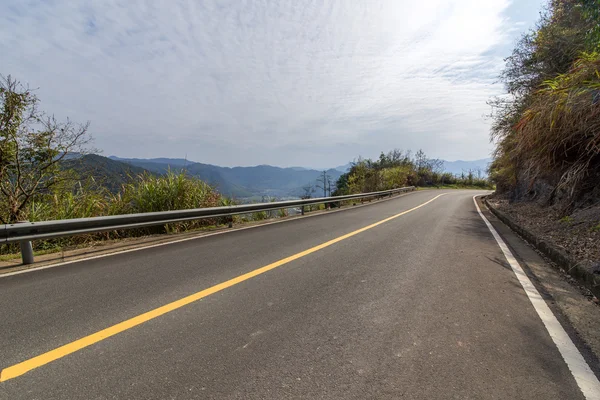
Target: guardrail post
[
  {"x": 26, "y": 252},
  {"x": 26, "y": 249},
  {"x": 302, "y": 210}
]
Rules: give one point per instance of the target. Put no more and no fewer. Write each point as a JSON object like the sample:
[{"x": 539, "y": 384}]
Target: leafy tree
[
  {"x": 341, "y": 186},
  {"x": 32, "y": 146}
]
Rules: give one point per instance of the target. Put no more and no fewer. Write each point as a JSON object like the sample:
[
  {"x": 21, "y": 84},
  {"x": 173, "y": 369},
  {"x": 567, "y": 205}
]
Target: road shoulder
[{"x": 578, "y": 314}]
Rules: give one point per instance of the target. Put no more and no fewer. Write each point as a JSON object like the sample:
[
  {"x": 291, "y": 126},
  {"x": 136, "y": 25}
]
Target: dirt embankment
[{"x": 577, "y": 234}]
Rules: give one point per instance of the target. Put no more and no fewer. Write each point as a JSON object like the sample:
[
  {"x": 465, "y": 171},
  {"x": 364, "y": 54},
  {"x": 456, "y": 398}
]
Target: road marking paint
[
  {"x": 585, "y": 378},
  {"x": 52, "y": 355},
  {"x": 200, "y": 236}
]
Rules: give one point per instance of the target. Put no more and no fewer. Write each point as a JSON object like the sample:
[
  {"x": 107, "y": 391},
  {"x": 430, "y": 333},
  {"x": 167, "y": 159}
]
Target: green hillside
[{"x": 108, "y": 173}]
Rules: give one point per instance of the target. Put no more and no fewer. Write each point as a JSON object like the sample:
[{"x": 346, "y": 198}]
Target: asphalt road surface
[{"x": 421, "y": 304}]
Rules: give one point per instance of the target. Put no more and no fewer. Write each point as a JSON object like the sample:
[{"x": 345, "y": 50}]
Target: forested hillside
[
  {"x": 548, "y": 129},
  {"x": 547, "y": 161},
  {"x": 106, "y": 173}
]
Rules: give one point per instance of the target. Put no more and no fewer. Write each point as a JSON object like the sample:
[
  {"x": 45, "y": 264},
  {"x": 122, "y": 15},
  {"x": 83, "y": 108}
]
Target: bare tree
[
  {"x": 323, "y": 182},
  {"x": 32, "y": 146},
  {"x": 308, "y": 191},
  {"x": 479, "y": 172}
]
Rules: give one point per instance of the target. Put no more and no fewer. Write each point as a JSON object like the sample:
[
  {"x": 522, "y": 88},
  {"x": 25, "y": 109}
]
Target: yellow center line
[{"x": 62, "y": 351}]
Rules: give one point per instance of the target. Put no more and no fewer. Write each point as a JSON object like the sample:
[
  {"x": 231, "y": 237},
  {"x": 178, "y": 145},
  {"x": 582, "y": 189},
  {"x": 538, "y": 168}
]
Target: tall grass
[
  {"x": 172, "y": 191},
  {"x": 548, "y": 129},
  {"x": 557, "y": 137},
  {"x": 147, "y": 193},
  {"x": 560, "y": 131}
]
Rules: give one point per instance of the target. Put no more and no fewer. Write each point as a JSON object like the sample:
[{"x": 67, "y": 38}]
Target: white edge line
[
  {"x": 200, "y": 236},
  {"x": 584, "y": 376}
]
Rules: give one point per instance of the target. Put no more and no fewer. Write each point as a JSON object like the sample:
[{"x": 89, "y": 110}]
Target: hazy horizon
[{"x": 271, "y": 165}]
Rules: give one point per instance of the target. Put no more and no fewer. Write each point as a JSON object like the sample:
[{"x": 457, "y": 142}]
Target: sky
[{"x": 312, "y": 83}]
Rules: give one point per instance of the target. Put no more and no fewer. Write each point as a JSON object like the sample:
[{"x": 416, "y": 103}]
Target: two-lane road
[{"x": 406, "y": 298}]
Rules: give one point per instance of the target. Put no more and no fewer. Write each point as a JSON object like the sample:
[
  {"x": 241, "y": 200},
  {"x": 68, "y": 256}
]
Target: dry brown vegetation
[{"x": 548, "y": 129}]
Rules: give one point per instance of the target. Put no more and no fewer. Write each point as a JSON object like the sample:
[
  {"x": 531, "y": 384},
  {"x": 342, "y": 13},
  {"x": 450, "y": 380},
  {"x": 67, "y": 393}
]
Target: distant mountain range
[
  {"x": 240, "y": 182},
  {"x": 459, "y": 166},
  {"x": 344, "y": 168}
]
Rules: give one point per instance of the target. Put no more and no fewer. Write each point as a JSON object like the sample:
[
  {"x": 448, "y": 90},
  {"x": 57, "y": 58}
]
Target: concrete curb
[{"x": 559, "y": 257}]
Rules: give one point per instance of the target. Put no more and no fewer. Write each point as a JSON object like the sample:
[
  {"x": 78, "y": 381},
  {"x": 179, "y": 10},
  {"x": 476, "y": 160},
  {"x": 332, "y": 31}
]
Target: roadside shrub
[
  {"x": 398, "y": 169},
  {"x": 260, "y": 215}
]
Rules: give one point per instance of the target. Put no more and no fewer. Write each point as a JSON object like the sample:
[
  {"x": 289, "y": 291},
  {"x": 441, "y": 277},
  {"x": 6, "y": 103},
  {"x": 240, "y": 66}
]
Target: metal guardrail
[{"x": 25, "y": 232}]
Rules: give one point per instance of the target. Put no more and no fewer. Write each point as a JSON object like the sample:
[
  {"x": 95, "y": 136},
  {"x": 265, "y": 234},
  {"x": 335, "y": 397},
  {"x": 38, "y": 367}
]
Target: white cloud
[{"x": 253, "y": 82}]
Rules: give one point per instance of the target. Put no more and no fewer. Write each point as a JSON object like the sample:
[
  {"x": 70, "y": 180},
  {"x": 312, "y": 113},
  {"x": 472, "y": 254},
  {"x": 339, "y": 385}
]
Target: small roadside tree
[
  {"x": 324, "y": 182},
  {"x": 32, "y": 146},
  {"x": 309, "y": 189}
]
